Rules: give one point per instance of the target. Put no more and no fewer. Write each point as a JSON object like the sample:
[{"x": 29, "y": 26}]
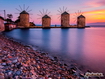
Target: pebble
[{"x": 18, "y": 61}]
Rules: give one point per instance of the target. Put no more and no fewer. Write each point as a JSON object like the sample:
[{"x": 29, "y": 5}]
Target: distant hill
[{"x": 97, "y": 23}]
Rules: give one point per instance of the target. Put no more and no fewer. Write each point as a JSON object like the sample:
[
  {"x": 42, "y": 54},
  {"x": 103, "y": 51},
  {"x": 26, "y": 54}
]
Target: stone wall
[
  {"x": 81, "y": 22},
  {"x": 24, "y": 20},
  {"x": 46, "y": 22},
  {"x": 65, "y": 20}
]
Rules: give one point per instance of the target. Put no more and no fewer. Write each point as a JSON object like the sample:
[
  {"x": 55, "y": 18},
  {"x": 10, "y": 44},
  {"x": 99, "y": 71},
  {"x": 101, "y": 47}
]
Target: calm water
[{"x": 85, "y": 46}]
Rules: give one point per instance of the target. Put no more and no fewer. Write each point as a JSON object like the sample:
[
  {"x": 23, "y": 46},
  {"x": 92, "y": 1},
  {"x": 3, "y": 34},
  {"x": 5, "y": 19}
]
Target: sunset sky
[{"x": 93, "y": 10}]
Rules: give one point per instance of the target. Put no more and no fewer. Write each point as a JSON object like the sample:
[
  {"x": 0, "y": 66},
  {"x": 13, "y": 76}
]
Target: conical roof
[
  {"x": 81, "y": 16},
  {"x": 24, "y": 12},
  {"x": 64, "y": 13},
  {"x": 45, "y": 16}
]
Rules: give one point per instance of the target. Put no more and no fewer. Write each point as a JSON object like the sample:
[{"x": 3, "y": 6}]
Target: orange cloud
[
  {"x": 95, "y": 16},
  {"x": 91, "y": 16}
]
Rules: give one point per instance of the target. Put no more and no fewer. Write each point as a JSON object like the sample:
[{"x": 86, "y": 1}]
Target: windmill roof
[
  {"x": 24, "y": 12},
  {"x": 81, "y": 16},
  {"x": 1, "y": 18},
  {"x": 45, "y": 16},
  {"x": 64, "y": 13}
]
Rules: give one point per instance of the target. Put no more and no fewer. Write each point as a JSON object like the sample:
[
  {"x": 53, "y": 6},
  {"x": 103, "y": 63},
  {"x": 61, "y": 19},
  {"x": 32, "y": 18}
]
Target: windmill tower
[
  {"x": 24, "y": 17},
  {"x": 46, "y": 19},
  {"x": 65, "y": 17},
  {"x": 79, "y": 19}
]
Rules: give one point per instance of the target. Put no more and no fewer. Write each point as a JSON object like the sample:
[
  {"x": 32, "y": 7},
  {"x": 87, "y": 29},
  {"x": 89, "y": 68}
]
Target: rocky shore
[{"x": 18, "y": 61}]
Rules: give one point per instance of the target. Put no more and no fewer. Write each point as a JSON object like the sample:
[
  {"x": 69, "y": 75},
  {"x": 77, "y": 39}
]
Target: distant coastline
[
  {"x": 91, "y": 25},
  {"x": 97, "y": 25}
]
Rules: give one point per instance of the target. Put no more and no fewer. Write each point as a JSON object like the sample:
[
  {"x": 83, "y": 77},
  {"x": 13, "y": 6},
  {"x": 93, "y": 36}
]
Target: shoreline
[{"x": 72, "y": 72}]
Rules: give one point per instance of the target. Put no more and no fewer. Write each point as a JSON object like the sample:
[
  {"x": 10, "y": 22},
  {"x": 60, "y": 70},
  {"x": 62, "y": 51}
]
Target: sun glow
[{"x": 95, "y": 16}]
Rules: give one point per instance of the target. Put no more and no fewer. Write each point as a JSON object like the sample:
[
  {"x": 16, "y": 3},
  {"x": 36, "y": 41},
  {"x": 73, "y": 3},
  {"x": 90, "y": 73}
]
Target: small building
[
  {"x": 2, "y": 28},
  {"x": 46, "y": 21},
  {"x": 81, "y": 21},
  {"x": 65, "y": 19},
  {"x": 9, "y": 26},
  {"x": 24, "y": 19}
]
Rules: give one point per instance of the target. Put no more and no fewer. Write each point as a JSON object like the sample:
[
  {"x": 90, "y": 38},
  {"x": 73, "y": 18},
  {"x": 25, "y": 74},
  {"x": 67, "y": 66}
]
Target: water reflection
[
  {"x": 79, "y": 43},
  {"x": 24, "y": 34},
  {"x": 86, "y": 46},
  {"x": 45, "y": 40}
]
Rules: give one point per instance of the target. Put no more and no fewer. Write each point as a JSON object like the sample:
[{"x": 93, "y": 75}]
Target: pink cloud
[
  {"x": 101, "y": 2},
  {"x": 96, "y": 3}
]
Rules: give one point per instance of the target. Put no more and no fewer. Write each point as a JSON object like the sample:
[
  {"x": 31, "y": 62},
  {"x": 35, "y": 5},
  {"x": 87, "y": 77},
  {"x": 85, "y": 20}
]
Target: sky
[{"x": 93, "y": 10}]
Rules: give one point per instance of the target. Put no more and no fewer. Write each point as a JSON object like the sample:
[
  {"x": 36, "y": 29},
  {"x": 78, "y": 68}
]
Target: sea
[{"x": 85, "y": 47}]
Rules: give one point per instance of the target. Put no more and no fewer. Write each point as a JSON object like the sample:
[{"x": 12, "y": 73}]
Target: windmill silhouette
[
  {"x": 64, "y": 17},
  {"x": 76, "y": 15},
  {"x": 45, "y": 18}
]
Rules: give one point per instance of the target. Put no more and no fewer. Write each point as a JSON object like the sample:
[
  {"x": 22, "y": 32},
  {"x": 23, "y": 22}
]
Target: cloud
[
  {"x": 92, "y": 16},
  {"x": 94, "y": 3},
  {"x": 101, "y": 2},
  {"x": 95, "y": 16},
  {"x": 101, "y": 11}
]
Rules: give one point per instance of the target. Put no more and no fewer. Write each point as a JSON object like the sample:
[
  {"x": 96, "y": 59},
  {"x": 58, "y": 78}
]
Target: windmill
[
  {"x": 79, "y": 19},
  {"x": 45, "y": 18},
  {"x": 64, "y": 17},
  {"x": 23, "y": 16},
  {"x": 76, "y": 14}
]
